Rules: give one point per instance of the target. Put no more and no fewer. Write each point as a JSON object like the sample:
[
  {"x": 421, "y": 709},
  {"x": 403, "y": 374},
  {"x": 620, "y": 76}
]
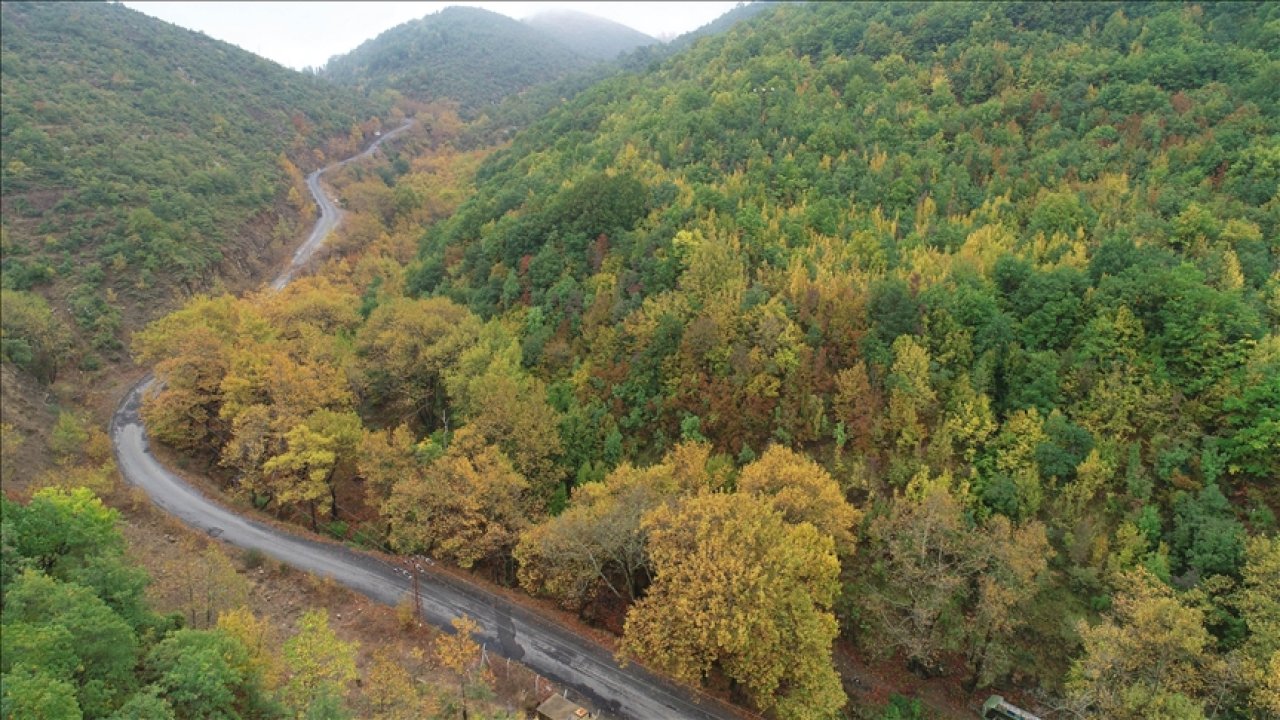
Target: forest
[
  {"x": 471, "y": 56},
  {"x": 142, "y": 161},
  {"x": 942, "y": 334}
]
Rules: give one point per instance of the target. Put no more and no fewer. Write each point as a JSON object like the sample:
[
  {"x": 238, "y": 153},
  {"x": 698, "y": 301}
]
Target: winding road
[{"x": 510, "y": 630}]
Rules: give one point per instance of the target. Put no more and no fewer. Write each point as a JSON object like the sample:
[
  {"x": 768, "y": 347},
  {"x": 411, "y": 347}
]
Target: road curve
[
  {"x": 330, "y": 214},
  {"x": 507, "y": 629}
]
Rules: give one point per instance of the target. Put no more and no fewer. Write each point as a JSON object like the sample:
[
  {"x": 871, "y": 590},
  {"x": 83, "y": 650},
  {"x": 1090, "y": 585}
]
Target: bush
[
  {"x": 337, "y": 529},
  {"x": 254, "y": 558}
]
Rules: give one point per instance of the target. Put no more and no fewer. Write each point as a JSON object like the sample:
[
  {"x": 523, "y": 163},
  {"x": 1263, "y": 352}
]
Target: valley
[{"x": 831, "y": 360}]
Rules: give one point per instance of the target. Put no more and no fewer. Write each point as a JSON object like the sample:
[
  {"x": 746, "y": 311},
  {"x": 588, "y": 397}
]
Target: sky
[{"x": 300, "y": 35}]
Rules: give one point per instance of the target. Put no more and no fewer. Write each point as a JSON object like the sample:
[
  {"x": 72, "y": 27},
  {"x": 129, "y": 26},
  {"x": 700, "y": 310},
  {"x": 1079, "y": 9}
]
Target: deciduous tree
[
  {"x": 740, "y": 589},
  {"x": 319, "y": 664}
]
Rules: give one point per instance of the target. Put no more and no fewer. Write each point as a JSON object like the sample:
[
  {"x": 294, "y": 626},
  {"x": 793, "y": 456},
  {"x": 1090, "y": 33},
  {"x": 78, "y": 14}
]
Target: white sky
[{"x": 299, "y": 35}]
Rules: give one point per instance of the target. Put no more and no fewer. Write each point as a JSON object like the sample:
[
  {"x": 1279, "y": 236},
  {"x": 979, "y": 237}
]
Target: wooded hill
[
  {"x": 588, "y": 35},
  {"x": 946, "y": 331},
  {"x": 140, "y": 159},
  {"x": 472, "y": 56}
]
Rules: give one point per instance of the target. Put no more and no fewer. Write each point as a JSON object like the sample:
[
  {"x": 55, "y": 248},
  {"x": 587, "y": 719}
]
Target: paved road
[
  {"x": 507, "y": 629},
  {"x": 330, "y": 214}
]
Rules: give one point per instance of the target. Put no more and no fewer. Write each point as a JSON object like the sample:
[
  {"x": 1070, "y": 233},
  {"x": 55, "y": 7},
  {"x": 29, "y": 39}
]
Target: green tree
[
  {"x": 201, "y": 673},
  {"x": 30, "y": 692},
  {"x": 103, "y": 647}
]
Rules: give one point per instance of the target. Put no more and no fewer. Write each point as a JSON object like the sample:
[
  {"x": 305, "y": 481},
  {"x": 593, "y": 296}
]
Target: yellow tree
[
  {"x": 740, "y": 589},
  {"x": 320, "y": 665},
  {"x": 404, "y": 350},
  {"x": 317, "y": 451},
  {"x": 191, "y": 350},
  {"x": 1151, "y": 658},
  {"x": 803, "y": 492},
  {"x": 384, "y": 458},
  {"x": 200, "y": 583},
  {"x": 922, "y": 557},
  {"x": 1016, "y": 560},
  {"x": 392, "y": 693},
  {"x": 912, "y": 404},
  {"x": 1014, "y": 458},
  {"x": 255, "y": 634},
  {"x": 1259, "y": 605},
  {"x": 461, "y": 654},
  {"x": 508, "y": 407},
  {"x": 598, "y": 542},
  {"x": 467, "y": 505}
]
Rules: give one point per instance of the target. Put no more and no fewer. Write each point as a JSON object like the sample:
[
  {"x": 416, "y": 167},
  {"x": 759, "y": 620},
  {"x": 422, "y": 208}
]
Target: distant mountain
[
  {"x": 588, "y": 35},
  {"x": 517, "y": 112},
  {"x": 743, "y": 11},
  {"x": 473, "y": 56},
  {"x": 138, "y": 158}
]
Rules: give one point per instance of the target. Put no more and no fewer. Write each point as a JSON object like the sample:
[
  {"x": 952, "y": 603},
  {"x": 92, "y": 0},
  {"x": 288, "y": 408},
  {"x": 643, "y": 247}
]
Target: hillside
[
  {"x": 472, "y": 56},
  {"x": 588, "y": 35},
  {"x": 1018, "y": 262},
  {"x": 938, "y": 337},
  {"x": 140, "y": 160}
]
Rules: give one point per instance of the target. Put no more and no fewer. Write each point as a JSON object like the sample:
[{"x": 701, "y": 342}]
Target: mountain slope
[
  {"x": 999, "y": 268},
  {"x": 473, "y": 56},
  {"x": 139, "y": 157},
  {"x": 588, "y": 35}
]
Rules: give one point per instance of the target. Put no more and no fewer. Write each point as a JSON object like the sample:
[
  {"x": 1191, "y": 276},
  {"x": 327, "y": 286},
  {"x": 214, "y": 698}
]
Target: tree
[
  {"x": 508, "y": 407},
  {"x": 31, "y": 692},
  {"x": 598, "y": 542},
  {"x": 182, "y": 410},
  {"x": 1012, "y": 479},
  {"x": 383, "y": 460},
  {"x": 803, "y": 492},
  {"x": 146, "y": 704},
  {"x": 31, "y": 336},
  {"x": 912, "y": 400},
  {"x": 391, "y": 691},
  {"x": 461, "y": 654},
  {"x": 319, "y": 664},
  {"x": 857, "y": 404},
  {"x": 922, "y": 556},
  {"x": 202, "y": 673},
  {"x": 68, "y": 437},
  {"x": 405, "y": 349},
  {"x": 316, "y": 451},
  {"x": 103, "y": 649},
  {"x": 1258, "y": 602},
  {"x": 191, "y": 350},
  {"x": 467, "y": 505},
  {"x": 60, "y": 530},
  {"x": 1152, "y": 657},
  {"x": 1016, "y": 562},
  {"x": 740, "y": 589},
  {"x": 262, "y": 657},
  {"x": 1206, "y": 537},
  {"x": 201, "y": 584}
]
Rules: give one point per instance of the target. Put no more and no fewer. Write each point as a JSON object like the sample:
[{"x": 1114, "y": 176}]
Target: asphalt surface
[
  {"x": 505, "y": 629},
  {"x": 330, "y": 213}
]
